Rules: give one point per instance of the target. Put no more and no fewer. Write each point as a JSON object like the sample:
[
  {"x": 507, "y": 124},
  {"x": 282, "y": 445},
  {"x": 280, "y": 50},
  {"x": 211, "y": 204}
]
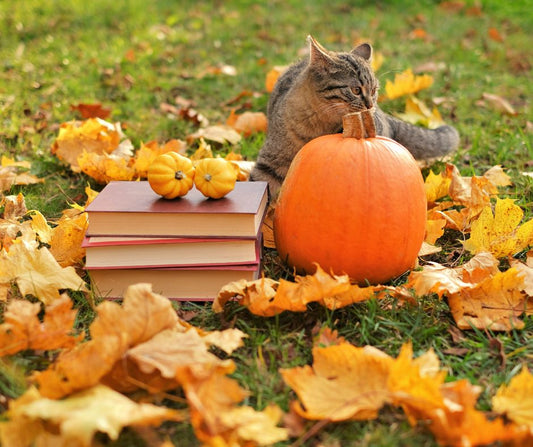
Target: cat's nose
[{"x": 368, "y": 101}]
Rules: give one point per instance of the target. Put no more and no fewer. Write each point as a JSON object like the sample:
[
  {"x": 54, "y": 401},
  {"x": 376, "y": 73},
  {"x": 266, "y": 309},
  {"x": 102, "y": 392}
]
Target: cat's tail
[{"x": 422, "y": 142}]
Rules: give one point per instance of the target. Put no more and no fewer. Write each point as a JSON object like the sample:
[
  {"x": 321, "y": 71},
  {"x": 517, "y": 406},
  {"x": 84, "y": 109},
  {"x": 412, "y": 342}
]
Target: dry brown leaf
[
  {"x": 22, "y": 328},
  {"x": 91, "y": 110},
  {"x": 221, "y": 134},
  {"x": 499, "y": 104}
]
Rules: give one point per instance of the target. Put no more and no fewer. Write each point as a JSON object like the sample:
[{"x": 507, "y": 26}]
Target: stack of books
[{"x": 187, "y": 248}]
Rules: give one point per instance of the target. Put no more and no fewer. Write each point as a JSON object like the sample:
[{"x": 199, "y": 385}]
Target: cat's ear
[
  {"x": 364, "y": 50},
  {"x": 318, "y": 55}
]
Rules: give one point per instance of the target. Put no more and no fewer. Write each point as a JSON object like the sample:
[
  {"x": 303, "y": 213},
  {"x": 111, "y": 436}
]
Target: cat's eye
[{"x": 356, "y": 90}]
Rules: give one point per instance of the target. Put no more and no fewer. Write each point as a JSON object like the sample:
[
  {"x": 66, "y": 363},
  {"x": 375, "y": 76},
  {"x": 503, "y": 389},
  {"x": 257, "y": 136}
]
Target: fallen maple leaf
[
  {"x": 459, "y": 423},
  {"x": 406, "y": 83},
  {"x": 147, "y": 153},
  {"x": 91, "y": 110},
  {"x": 10, "y": 174},
  {"x": 416, "y": 112},
  {"x": 216, "y": 418},
  {"x": 273, "y": 75},
  {"x": 36, "y": 271},
  {"x": 267, "y": 297},
  {"x": 415, "y": 384},
  {"x": 344, "y": 382},
  {"x": 479, "y": 295},
  {"x": 92, "y": 135},
  {"x": 75, "y": 420},
  {"x": 22, "y": 328},
  {"x": 437, "y": 186},
  {"x": 500, "y": 233},
  {"x": 516, "y": 399},
  {"x": 107, "y": 167}
]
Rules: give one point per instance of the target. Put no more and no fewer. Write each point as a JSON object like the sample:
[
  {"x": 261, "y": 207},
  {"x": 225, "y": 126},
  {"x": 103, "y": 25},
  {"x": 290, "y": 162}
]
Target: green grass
[{"x": 55, "y": 54}]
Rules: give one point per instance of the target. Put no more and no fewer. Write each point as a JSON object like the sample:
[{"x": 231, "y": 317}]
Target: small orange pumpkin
[
  {"x": 353, "y": 205},
  {"x": 215, "y": 177},
  {"x": 171, "y": 175}
]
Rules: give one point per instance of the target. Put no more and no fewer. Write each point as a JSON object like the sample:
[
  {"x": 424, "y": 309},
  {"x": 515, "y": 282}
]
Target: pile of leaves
[{"x": 140, "y": 364}]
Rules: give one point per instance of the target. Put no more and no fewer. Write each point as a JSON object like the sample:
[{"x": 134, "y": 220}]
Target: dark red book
[
  {"x": 135, "y": 252},
  {"x": 185, "y": 283},
  {"x": 133, "y": 209}
]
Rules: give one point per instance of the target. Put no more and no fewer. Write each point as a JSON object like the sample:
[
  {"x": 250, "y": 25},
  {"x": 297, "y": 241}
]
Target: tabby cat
[{"x": 310, "y": 99}]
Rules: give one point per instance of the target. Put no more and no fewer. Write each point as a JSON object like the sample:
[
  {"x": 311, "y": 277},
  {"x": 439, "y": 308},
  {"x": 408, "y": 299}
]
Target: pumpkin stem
[
  {"x": 358, "y": 124},
  {"x": 179, "y": 175}
]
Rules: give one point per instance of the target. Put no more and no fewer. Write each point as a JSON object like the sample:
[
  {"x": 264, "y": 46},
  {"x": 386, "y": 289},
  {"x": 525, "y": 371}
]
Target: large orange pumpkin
[{"x": 353, "y": 205}]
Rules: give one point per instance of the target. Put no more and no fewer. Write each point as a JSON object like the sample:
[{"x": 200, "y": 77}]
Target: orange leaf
[
  {"x": 22, "y": 328},
  {"x": 115, "y": 329},
  {"x": 272, "y": 76},
  {"x": 218, "y": 420},
  {"x": 460, "y": 424},
  {"x": 91, "y": 111},
  {"x": 495, "y": 35},
  {"x": 345, "y": 382}
]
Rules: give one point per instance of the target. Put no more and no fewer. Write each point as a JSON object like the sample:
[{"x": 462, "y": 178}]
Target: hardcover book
[
  {"x": 129, "y": 208},
  {"x": 135, "y": 252},
  {"x": 192, "y": 284}
]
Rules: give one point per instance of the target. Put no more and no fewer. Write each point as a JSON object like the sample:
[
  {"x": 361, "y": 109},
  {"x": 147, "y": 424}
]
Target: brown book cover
[
  {"x": 191, "y": 284},
  {"x": 137, "y": 252},
  {"x": 125, "y": 208}
]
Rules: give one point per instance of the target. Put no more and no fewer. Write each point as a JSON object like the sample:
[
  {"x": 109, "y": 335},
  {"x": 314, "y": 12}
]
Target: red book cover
[{"x": 133, "y": 209}]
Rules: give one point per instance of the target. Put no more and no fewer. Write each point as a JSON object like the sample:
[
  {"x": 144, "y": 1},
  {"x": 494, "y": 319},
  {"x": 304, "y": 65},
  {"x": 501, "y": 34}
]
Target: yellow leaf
[
  {"x": 500, "y": 232},
  {"x": 147, "y": 153},
  {"x": 36, "y": 271},
  {"x": 416, "y": 112},
  {"x": 105, "y": 167},
  {"x": 415, "y": 383},
  {"x": 92, "y": 136},
  {"x": 79, "y": 417},
  {"x": 436, "y": 186},
  {"x": 495, "y": 303},
  {"x": 344, "y": 382},
  {"x": 67, "y": 236},
  {"x": 516, "y": 399},
  {"x": 40, "y": 226},
  {"x": 406, "y": 83}
]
